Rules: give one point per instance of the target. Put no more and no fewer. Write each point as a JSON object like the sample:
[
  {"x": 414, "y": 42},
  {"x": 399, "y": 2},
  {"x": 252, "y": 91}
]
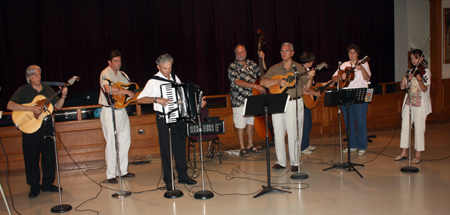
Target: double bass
[{"x": 260, "y": 122}]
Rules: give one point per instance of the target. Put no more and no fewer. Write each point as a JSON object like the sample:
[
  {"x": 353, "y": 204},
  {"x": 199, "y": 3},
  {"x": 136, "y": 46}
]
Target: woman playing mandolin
[{"x": 358, "y": 112}]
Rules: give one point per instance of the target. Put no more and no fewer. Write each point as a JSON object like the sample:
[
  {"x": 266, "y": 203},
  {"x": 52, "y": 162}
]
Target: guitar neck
[
  {"x": 54, "y": 95},
  {"x": 323, "y": 88},
  {"x": 261, "y": 67}
]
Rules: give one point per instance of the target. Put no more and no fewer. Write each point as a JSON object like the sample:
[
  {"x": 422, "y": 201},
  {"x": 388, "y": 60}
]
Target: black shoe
[
  {"x": 278, "y": 166},
  {"x": 294, "y": 168},
  {"x": 33, "y": 193},
  {"x": 113, "y": 181},
  {"x": 168, "y": 187},
  {"x": 188, "y": 181},
  {"x": 52, "y": 188},
  {"x": 129, "y": 175}
]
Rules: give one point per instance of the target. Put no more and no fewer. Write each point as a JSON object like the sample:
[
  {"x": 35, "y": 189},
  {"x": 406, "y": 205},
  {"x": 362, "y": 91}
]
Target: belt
[
  {"x": 106, "y": 105},
  {"x": 295, "y": 98}
]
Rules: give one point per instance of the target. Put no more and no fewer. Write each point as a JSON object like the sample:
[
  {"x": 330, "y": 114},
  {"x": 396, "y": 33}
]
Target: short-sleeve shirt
[
  {"x": 278, "y": 69},
  {"x": 26, "y": 93},
  {"x": 237, "y": 71},
  {"x": 153, "y": 89},
  {"x": 108, "y": 73}
]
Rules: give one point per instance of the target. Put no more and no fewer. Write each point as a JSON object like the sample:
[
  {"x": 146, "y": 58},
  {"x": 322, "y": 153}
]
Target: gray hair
[
  {"x": 238, "y": 46},
  {"x": 287, "y": 43},
  {"x": 31, "y": 70},
  {"x": 164, "y": 59}
]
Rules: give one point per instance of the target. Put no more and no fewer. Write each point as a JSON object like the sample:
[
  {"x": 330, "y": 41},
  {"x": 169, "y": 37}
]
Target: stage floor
[{"x": 383, "y": 190}]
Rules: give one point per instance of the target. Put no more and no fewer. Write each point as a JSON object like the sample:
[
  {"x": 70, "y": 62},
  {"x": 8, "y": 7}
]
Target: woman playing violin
[
  {"x": 358, "y": 112},
  {"x": 418, "y": 99}
]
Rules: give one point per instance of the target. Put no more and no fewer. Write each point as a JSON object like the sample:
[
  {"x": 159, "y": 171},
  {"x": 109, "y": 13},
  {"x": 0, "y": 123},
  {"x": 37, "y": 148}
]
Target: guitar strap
[{"x": 125, "y": 76}]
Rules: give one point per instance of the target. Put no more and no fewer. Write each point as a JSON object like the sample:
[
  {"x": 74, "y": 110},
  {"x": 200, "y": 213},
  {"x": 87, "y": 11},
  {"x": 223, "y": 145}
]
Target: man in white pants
[
  {"x": 283, "y": 122},
  {"x": 113, "y": 74}
]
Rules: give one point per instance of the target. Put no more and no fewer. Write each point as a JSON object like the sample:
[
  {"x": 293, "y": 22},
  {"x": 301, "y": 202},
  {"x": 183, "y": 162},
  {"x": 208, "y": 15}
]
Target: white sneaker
[
  {"x": 351, "y": 150},
  {"x": 361, "y": 152},
  {"x": 307, "y": 152},
  {"x": 311, "y": 148}
]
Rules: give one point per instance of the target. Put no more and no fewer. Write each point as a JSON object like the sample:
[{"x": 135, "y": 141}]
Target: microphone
[
  {"x": 340, "y": 63},
  {"x": 104, "y": 78},
  {"x": 295, "y": 68}
]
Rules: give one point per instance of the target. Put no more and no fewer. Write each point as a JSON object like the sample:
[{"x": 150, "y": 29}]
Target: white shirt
[
  {"x": 359, "y": 81},
  {"x": 153, "y": 89},
  {"x": 108, "y": 73}
]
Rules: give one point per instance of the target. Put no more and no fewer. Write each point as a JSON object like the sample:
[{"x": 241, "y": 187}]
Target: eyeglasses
[{"x": 285, "y": 51}]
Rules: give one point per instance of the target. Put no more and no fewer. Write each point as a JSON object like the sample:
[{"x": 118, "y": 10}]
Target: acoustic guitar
[
  {"x": 290, "y": 78},
  {"x": 311, "y": 100},
  {"x": 123, "y": 101},
  {"x": 27, "y": 121},
  {"x": 350, "y": 73}
]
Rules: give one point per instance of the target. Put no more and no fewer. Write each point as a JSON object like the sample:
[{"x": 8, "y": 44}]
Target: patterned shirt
[
  {"x": 236, "y": 71},
  {"x": 414, "y": 94}
]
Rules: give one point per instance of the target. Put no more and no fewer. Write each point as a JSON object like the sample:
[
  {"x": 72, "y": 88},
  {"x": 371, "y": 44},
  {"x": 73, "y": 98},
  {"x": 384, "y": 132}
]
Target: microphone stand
[
  {"x": 120, "y": 193},
  {"x": 61, "y": 208},
  {"x": 298, "y": 175},
  {"x": 174, "y": 193},
  {"x": 409, "y": 168},
  {"x": 341, "y": 164},
  {"x": 203, "y": 194},
  {"x": 4, "y": 199}
]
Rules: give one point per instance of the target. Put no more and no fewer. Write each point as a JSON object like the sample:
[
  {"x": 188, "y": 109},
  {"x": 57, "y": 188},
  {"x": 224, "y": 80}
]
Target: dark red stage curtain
[{"x": 73, "y": 37}]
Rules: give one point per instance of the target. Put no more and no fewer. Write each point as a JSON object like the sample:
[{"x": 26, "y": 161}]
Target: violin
[{"x": 419, "y": 70}]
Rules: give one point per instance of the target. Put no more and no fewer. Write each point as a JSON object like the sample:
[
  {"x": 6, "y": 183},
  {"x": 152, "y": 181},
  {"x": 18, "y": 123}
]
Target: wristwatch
[{"x": 155, "y": 100}]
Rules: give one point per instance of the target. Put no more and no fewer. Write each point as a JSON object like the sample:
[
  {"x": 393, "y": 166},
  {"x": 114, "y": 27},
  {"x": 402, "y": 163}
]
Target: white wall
[{"x": 412, "y": 30}]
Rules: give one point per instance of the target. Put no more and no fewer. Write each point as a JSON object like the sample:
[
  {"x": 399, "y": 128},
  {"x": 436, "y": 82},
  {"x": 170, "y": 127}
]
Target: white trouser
[
  {"x": 283, "y": 122},
  {"x": 419, "y": 128},
  {"x": 124, "y": 140}
]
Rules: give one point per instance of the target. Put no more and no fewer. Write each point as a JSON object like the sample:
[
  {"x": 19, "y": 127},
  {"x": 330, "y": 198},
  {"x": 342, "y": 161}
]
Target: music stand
[
  {"x": 265, "y": 105},
  {"x": 346, "y": 97}
]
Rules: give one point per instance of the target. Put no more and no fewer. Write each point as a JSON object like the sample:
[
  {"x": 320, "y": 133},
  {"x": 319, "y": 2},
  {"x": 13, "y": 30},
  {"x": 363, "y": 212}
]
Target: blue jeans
[
  {"x": 358, "y": 116},
  {"x": 307, "y": 126}
]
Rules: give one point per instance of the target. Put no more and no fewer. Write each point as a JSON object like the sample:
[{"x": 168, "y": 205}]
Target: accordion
[{"x": 185, "y": 101}]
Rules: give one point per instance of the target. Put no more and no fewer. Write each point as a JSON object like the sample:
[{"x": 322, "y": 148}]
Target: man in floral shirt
[{"x": 242, "y": 74}]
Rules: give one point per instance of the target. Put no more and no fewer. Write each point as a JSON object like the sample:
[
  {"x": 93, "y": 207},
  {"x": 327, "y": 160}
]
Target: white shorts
[{"x": 239, "y": 120}]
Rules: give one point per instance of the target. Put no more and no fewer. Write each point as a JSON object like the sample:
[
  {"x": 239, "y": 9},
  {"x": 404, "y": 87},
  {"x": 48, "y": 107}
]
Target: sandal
[
  {"x": 399, "y": 158},
  {"x": 254, "y": 149},
  {"x": 244, "y": 153},
  {"x": 416, "y": 161}
]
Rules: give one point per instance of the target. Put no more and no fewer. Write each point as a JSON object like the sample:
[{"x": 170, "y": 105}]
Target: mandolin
[
  {"x": 123, "y": 101},
  {"x": 350, "y": 73},
  {"x": 290, "y": 78},
  {"x": 27, "y": 121},
  {"x": 311, "y": 100}
]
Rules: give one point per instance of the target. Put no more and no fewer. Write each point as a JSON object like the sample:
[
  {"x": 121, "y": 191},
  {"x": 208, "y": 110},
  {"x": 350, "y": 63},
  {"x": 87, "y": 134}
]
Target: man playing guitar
[
  {"x": 283, "y": 122},
  {"x": 34, "y": 144}
]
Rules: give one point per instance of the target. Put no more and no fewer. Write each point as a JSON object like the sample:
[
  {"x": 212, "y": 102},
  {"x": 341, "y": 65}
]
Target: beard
[{"x": 241, "y": 58}]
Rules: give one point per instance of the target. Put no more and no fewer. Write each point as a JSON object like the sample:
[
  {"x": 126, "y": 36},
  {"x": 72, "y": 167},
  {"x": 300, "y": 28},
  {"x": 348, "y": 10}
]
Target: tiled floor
[{"x": 383, "y": 190}]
